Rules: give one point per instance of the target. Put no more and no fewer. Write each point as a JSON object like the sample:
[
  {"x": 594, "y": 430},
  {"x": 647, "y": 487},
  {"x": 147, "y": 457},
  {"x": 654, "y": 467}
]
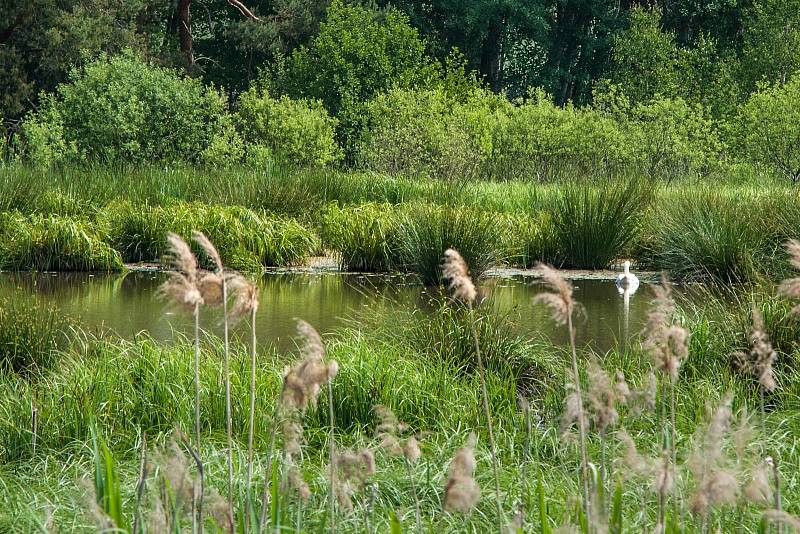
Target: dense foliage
[{"x": 454, "y": 90}]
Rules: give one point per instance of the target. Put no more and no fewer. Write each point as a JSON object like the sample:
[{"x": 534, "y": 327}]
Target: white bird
[{"x": 627, "y": 281}]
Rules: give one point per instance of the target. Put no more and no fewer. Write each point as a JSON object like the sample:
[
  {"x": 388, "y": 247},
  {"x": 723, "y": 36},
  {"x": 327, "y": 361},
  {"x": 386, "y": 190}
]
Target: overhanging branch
[{"x": 243, "y": 9}]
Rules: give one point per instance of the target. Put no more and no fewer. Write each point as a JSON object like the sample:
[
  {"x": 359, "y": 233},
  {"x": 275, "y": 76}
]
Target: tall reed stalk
[
  {"x": 456, "y": 273},
  {"x": 221, "y": 284},
  {"x": 184, "y": 289},
  {"x": 562, "y": 307}
]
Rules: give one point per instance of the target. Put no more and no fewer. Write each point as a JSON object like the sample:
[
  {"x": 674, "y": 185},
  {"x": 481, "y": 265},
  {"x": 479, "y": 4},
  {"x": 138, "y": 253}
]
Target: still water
[{"x": 128, "y": 303}]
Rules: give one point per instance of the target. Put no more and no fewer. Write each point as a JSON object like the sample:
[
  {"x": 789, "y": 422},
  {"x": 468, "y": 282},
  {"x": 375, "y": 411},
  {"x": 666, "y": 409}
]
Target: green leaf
[{"x": 394, "y": 524}]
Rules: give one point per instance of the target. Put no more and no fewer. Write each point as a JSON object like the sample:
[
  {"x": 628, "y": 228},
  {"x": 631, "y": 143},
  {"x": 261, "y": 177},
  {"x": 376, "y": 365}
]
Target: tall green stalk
[
  {"x": 251, "y": 425},
  {"x": 488, "y": 414}
]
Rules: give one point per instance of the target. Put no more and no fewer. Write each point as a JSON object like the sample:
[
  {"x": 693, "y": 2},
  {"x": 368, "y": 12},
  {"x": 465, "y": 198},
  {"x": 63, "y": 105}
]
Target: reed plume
[
  {"x": 603, "y": 395},
  {"x": 715, "y": 483},
  {"x": 461, "y": 492},
  {"x": 352, "y": 470},
  {"x": 390, "y": 431},
  {"x": 562, "y": 307},
  {"x": 245, "y": 304},
  {"x": 456, "y": 272},
  {"x": 668, "y": 345},
  {"x": 301, "y": 388},
  {"x": 759, "y": 362},
  {"x": 221, "y": 279},
  {"x": 791, "y": 286},
  {"x": 183, "y": 287}
]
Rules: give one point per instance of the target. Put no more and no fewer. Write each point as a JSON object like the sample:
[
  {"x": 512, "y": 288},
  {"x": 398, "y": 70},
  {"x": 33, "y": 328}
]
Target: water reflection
[{"x": 127, "y": 303}]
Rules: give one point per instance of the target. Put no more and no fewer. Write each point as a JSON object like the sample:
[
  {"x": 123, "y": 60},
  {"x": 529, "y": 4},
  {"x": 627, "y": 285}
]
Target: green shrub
[
  {"x": 123, "y": 110},
  {"x": 299, "y": 132},
  {"x": 247, "y": 240},
  {"x": 42, "y": 136},
  {"x": 427, "y": 231},
  {"x": 593, "y": 224},
  {"x": 54, "y": 243},
  {"x": 426, "y": 132},
  {"x": 671, "y": 138},
  {"x": 538, "y": 137},
  {"x": 363, "y": 238},
  {"x": 768, "y": 128},
  {"x": 358, "y": 52},
  {"x": 31, "y": 335}
]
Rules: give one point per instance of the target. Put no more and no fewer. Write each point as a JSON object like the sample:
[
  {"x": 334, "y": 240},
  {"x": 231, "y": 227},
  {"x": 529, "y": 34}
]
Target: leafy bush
[
  {"x": 31, "y": 335},
  {"x": 54, "y": 243},
  {"x": 427, "y": 132},
  {"x": 593, "y": 224},
  {"x": 427, "y": 231},
  {"x": 538, "y": 137},
  {"x": 363, "y": 238},
  {"x": 358, "y": 52},
  {"x": 299, "y": 132},
  {"x": 768, "y": 128},
  {"x": 123, "y": 110},
  {"x": 671, "y": 138}
]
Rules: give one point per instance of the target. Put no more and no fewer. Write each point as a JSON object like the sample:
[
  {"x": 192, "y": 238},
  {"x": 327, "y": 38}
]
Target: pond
[{"x": 128, "y": 303}]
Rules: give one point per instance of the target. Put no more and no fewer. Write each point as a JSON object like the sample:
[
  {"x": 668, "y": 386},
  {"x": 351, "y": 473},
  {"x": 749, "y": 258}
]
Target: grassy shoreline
[
  {"x": 129, "y": 388},
  {"x": 692, "y": 230}
]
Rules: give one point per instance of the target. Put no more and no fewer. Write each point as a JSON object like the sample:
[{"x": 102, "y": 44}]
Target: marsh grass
[
  {"x": 247, "y": 240},
  {"x": 594, "y": 223},
  {"x": 31, "y": 336},
  {"x": 425, "y": 231},
  {"x": 54, "y": 243},
  {"x": 363, "y": 238},
  {"x": 709, "y": 235}
]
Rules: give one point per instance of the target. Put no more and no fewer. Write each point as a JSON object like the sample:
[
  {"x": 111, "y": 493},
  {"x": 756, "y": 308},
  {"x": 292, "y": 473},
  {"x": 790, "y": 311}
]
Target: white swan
[{"x": 627, "y": 280}]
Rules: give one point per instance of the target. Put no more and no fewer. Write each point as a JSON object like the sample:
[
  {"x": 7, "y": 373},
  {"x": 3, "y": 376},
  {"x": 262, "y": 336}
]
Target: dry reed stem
[
  {"x": 183, "y": 288},
  {"x": 212, "y": 253},
  {"x": 456, "y": 272},
  {"x": 562, "y": 307}
]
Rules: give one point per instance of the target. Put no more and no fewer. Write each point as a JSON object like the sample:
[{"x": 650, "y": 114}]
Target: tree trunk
[
  {"x": 491, "y": 54},
  {"x": 184, "y": 20}
]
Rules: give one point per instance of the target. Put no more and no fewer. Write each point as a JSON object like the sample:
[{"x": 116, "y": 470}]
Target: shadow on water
[{"x": 127, "y": 304}]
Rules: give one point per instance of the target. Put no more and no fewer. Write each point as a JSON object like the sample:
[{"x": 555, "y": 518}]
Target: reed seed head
[
  {"x": 559, "y": 299},
  {"x": 245, "y": 296},
  {"x": 301, "y": 383},
  {"x": 181, "y": 288},
  {"x": 667, "y": 343},
  {"x": 456, "y": 273},
  {"x": 602, "y": 398},
  {"x": 783, "y": 518},
  {"x": 461, "y": 490},
  {"x": 758, "y": 489},
  {"x": 210, "y": 286},
  {"x": 411, "y": 450},
  {"x": 353, "y": 470},
  {"x": 209, "y": 248},
  {"x": 791, "y": 287},
  {"x": 573, "y": 412},
  {"x": 761, "y": 358}
]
